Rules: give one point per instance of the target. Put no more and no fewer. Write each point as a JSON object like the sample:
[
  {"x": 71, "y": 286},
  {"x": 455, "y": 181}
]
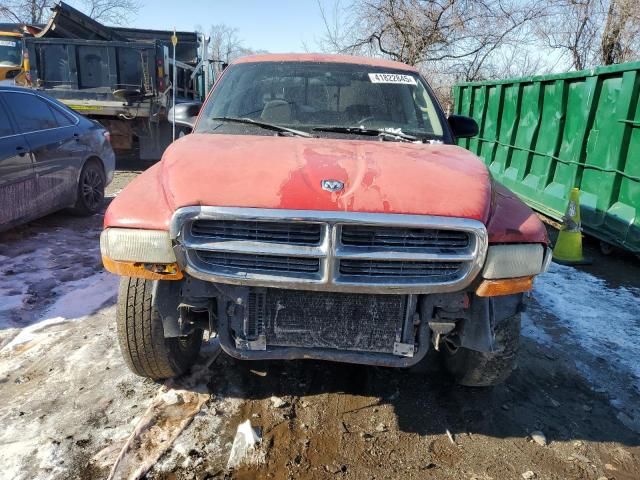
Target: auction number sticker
[
  {"x": 392, "y": 78},
  {"x": 7, "y": 43}
]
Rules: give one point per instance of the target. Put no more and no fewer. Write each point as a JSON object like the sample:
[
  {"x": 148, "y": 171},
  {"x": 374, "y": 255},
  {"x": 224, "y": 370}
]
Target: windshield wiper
[
  {"x": 391, "y": 134},
  {"x": 270, "y": 126},
  {"x": 373, "y": 132}
]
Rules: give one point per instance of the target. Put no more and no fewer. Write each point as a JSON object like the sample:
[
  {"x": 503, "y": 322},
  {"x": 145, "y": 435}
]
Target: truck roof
[{"x": 326, "y": 58}]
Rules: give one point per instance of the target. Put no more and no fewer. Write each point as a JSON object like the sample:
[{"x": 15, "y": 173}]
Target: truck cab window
[{"x": 10, "y": 51}]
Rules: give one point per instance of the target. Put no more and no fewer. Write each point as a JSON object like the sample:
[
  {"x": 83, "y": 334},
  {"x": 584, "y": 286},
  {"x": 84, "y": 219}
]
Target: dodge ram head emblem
[{"x": 332, "y": 185}]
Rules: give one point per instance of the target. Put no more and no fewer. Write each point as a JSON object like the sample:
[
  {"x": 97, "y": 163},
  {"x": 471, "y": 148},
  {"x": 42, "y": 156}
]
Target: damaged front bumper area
[
  {"x": 364, "y": 288},
  {"x": 382, "y": 330},
  {"x": 257, "y": 323}
]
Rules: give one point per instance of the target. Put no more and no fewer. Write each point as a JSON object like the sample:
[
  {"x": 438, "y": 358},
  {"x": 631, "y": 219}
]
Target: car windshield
[
  {"x": 320, "y": 97},
  {"x": 10, "y": 51}
]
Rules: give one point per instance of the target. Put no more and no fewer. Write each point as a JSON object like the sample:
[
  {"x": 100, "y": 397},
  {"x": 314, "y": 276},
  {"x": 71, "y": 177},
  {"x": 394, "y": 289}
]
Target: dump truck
[
  {"x": 119, "y": 77},
  {"x": 10, "y": 51}
]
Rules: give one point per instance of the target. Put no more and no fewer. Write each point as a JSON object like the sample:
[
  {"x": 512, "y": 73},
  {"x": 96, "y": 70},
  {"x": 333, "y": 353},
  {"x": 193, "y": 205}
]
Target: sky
[{"x": 272, "y": 25}]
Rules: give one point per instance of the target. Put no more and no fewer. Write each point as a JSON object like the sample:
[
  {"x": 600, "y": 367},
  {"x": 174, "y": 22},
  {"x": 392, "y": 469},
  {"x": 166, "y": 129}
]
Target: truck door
[
  {"x": 17, "y": 175},
  {"x": 54, "y": 145}
]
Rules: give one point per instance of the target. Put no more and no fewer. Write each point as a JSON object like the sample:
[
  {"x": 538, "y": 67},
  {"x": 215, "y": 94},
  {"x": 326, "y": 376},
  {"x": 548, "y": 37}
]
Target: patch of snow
[
  {"x": 65, "y": 392},
  {"x": 244, "y": 445},
  {"x": 41, "y": 264},
  {"x": 595, "y": 326},
  {"x": 9, "y": 302},
  {"x": 205, "y": 430},
  {"x": 603, "y": 320},
  {"x": 85, "y": 296},
  {"x": 532, "y": 330},
  {"x": 72, "y": 390},
  {"x": 81, "y": 298},
  {"x": 28, "y": 334}
]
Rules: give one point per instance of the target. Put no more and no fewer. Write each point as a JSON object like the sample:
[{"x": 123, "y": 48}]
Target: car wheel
[
  {"x": 141, "y": 336},
  {"x": 481, "y": 369},
  {"x": 90, "y": 189}
]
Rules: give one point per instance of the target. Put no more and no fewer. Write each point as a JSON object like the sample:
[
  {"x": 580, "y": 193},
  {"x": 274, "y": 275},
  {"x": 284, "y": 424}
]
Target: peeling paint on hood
[{"x": 286, "y": 172}]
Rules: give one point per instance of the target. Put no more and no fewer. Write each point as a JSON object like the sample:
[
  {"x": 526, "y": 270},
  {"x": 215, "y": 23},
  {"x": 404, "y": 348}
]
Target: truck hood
[{"x": 286, "y": 173}]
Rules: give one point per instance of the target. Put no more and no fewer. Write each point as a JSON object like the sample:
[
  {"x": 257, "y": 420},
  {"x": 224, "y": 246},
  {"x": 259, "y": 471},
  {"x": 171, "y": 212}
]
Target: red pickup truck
[{"x": 321, "y": 209}]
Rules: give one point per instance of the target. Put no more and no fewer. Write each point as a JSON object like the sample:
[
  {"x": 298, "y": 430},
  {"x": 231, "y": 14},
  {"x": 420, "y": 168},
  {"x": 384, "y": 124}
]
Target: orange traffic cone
[{"x": 568, "y": 248}]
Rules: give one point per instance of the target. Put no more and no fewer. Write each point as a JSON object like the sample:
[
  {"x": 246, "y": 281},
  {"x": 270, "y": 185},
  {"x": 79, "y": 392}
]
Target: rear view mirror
[
  {"x": 463, "y": 127},
  {"x": 185, "y": 113}
]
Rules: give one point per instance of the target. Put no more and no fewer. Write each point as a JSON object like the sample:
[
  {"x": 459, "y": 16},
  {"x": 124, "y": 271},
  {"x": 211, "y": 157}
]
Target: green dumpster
[{"x": 541, "y": 136}]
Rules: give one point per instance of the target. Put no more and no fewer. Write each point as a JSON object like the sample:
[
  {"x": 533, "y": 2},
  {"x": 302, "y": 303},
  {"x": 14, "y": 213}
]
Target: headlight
[
  {"x": 511, "y": 261},
  {"x": 134, "y": 245}
]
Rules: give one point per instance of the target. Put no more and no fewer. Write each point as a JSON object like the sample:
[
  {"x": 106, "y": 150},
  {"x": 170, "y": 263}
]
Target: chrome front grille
[
  {"x": 272, "y": 232},
  {"x": 428, "y": 238},
  {"x": 236, "y": 263},
  {"x": 333, "y": 251},
  {"x": 382, "y": 270}
]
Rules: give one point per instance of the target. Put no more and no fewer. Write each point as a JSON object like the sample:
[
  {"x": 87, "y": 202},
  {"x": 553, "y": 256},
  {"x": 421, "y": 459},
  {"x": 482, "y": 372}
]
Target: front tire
[
  {"x": 141, "y": 336},
  {"x": 480, "y": 369}
]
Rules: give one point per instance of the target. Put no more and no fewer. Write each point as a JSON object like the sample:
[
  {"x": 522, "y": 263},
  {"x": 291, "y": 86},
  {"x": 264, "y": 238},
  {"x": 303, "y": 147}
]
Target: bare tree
[
  {"x": 25, "y": 11},
  {"x": 448, "y": 40},
  {"x": 337, "y": 36},
  {"x": 592, "y": 32},
  {"x": 620, "y": 40},
  {"x": 418, "y": 31},
  {"x": 572, "y": 28},
  {"x": 115, "y": 12},
  {"x": 37, "y": 11},
  {"x": 513, "y": 61},
  {"x": 226, "y": 45}
]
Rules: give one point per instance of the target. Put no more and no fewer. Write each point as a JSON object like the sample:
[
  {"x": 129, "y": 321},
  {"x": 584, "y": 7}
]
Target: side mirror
[
  {"x": 185, "y": 113},
  {"x": 463, "y": 127}
]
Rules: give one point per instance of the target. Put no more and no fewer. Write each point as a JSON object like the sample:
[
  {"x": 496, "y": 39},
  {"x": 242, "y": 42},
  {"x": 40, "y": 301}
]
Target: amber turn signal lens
[
  {"x": 507, "y": 286},
  {"x": 155, "y": 271}
]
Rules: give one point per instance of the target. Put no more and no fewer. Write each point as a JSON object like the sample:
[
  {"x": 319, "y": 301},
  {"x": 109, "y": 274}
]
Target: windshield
[
  {"x": 10, "y": 51},
  {"x": 309, "y": 96}
]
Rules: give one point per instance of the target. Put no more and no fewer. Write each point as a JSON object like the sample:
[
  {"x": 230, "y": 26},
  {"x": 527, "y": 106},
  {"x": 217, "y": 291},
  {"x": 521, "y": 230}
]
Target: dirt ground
[{"x": 69, "y": 406}]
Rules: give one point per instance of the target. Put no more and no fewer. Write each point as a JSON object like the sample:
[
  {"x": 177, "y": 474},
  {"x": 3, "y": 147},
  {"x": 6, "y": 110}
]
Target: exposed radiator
[{"x": 343, "y": 321}]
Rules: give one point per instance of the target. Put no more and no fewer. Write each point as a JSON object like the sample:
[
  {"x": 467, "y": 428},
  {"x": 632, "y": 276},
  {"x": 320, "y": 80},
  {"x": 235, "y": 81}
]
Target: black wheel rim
[{"x": 92, "y": 188}]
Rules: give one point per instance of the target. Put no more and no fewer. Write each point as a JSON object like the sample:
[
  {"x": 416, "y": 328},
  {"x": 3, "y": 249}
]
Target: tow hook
[{"x": 440, "y": 329}]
